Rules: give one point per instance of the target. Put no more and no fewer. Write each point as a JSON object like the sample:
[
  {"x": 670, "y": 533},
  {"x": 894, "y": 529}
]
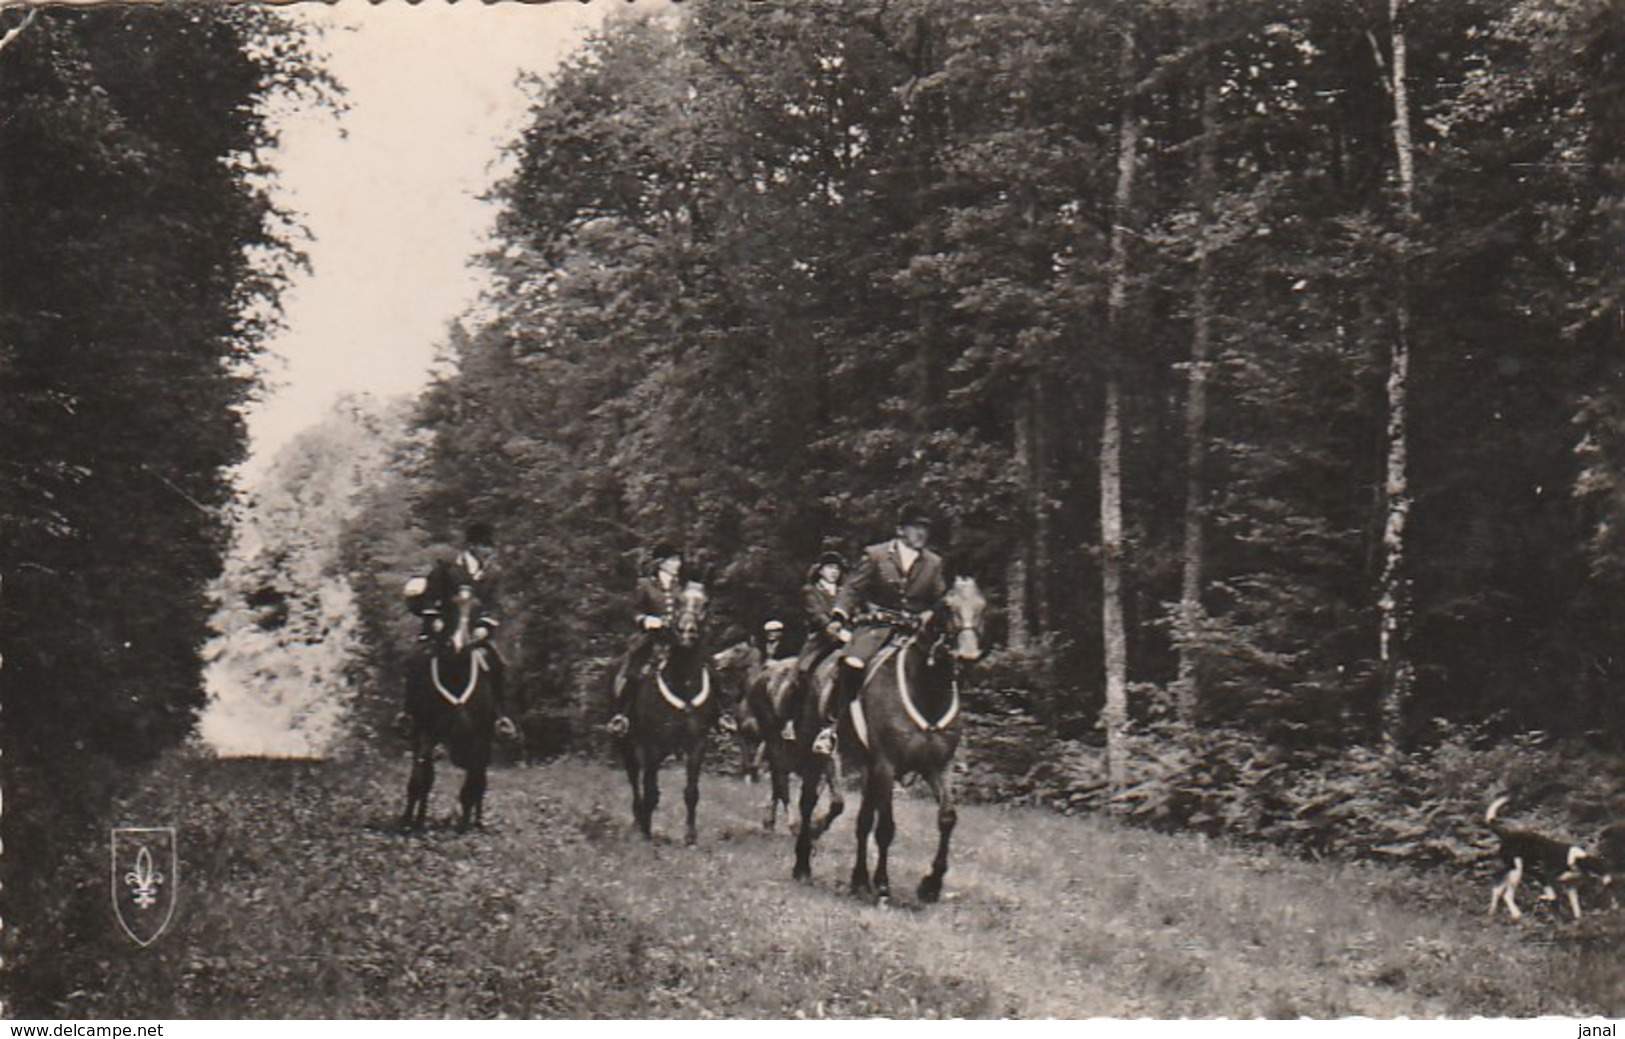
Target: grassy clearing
[{"x": 297, "y": 900}]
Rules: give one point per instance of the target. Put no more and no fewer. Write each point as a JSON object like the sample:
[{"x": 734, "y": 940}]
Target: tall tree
[
  {"x": 1114, "y": 636},
  {"x": 141, "y": 270},
  {"x": 1196, "y": 425},
  {"x": 1395, "y": 595}
]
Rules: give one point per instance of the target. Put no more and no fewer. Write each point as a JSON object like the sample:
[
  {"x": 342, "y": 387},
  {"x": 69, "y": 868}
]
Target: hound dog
[
  {"x": 1611, "y": 860},
  {"x": 1526, "y": 855}
]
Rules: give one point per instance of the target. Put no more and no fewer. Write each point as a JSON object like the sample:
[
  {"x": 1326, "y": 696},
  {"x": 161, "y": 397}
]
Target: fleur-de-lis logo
[{"x": 145, "y": 879}]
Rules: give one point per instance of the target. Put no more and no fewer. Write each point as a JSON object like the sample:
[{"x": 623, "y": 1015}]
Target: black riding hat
[
  {"x": 912, "y": 515},
  {"x": 665, "y": 550},
  {"x": 831, "y": 558}
]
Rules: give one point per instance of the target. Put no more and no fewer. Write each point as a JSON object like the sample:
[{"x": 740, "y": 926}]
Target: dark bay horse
[
  {"x": 452, "y": 699},
  {"x": 737, "y": 667},
  {"x": 765, "y": 701},
  {"x": 816, "y": 771},
  {"x": 673, "y": 707},
  {"x": 904, "y": 722}
]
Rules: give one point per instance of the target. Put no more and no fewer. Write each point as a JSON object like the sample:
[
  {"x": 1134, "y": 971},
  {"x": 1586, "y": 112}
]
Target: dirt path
[{"x": 300, "y": 901}]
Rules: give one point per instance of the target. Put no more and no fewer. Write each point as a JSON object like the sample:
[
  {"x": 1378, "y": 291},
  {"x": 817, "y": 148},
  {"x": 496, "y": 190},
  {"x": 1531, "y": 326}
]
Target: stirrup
[
  {"x": 824, "y": 743},
  {"x": 619, "y": 726}
]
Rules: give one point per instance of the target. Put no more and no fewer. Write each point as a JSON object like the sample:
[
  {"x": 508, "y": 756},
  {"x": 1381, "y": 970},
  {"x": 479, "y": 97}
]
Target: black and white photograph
[{"x": 813, "y": 509}]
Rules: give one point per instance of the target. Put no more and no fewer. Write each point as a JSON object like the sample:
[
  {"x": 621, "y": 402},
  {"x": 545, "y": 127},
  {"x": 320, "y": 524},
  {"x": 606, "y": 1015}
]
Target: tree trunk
[
  {"x": 1038, "y": 577},
  {"x": 1190, "y": 591},
  {"x": 1394, "y": 602},
  {"x": 1111, "y": 440},
  {"x": 1019, "y": 634}
]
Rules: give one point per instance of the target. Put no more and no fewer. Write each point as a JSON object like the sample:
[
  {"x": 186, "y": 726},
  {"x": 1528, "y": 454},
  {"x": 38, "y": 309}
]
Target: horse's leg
[
  {"x": 691, "y": 790},
  {"x": 420, "y": 783},
  {"x": 885, "y": 827},
  {"x": 778, "y": 769},
  {"x": 651, "y": 789},
  {"x": 942, "y": 785},
  {"x": 866, "y": 823},
  {"x": 831, "y": 773},
  {"x": 472, "y": 798},
  {"x": 629, "y": 756},
  {"x": 758, "y": 757},
  {"x": 812, "y": 778}
]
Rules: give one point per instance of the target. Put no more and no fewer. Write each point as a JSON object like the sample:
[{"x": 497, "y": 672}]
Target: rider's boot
[
  {"x": 619, "y": 725},
  {"x": 848, "y": 678}
]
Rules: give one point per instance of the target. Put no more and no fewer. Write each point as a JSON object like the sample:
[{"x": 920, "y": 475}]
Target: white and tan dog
[{"x": 1556, "y": 865}]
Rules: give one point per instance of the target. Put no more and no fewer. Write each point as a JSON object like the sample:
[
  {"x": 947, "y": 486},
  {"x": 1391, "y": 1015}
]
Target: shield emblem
[{"x": 146, "y": 875}]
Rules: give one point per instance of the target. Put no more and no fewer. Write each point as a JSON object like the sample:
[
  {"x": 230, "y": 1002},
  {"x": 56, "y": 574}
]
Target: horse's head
[
  {"x": 964, "y": 608},
  {"x": 464, "y": 607},
  {"x": 692, "y": 606},
  {"x": 740, "y": 657}
]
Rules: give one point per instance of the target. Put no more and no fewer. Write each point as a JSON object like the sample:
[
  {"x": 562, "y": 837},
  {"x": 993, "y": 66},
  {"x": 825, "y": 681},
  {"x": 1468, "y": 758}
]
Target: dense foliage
[
  {"x": 768, "y": 270},
  {"x": 141, "y": 264}
]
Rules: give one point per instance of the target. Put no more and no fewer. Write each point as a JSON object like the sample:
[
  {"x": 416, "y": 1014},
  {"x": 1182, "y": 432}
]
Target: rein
[
  {"x": 909, "y": 707},
  {"x": 476, "y": 664},
  {"x": 678, "y": 702}
]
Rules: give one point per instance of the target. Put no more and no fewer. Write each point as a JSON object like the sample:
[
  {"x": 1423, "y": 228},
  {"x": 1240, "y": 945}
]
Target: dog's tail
[{"x": 1495, "y": 807}]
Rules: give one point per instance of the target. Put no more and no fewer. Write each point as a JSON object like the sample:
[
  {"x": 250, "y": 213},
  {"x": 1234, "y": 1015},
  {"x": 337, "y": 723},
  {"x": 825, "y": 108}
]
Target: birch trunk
[
  {"x": 1111, "y": 443},
  {"x": 1394, "y": 602}
]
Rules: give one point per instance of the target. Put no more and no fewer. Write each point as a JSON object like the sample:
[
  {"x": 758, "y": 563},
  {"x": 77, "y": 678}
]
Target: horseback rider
[
  {"x": 824, "y": 632},
  {"x": 895, "y": 587},
  {"x": 774, "y": 639},
  {"x": 433, "y": 599},
  {"x": 654, "y": 604}
]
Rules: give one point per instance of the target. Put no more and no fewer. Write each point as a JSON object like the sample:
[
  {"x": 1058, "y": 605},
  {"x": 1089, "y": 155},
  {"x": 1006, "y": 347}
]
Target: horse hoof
[
  {"x": 689, "y": 840},
  {"x": 801, "y": 873},
  {"x": 930, "y": 890}
]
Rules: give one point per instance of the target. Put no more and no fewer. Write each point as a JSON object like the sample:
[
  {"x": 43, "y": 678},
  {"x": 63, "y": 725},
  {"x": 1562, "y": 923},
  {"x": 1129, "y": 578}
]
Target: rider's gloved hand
[{"x": 653, "y": 624}]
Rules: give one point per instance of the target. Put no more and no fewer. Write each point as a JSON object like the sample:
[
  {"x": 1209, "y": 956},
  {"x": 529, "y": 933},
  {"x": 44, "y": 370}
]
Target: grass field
[{"x": 297, "y": 899}]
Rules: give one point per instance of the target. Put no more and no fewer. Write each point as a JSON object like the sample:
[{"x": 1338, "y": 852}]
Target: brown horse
[
  {"x": 737, "y": 667},
  {"x": 904, "y": 723},
  {"x": 815, "y": 770},
  {"x": 672, "y": 711},
  {"x": 453, "y": 698},
  {"x": 768, "y": 702}
]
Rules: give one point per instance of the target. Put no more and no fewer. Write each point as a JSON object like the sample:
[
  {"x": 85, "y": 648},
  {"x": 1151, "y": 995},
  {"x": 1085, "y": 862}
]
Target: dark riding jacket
[
  {"x": 818, "y": 606},
  {"x": 653, "y": 600},
  {"x": 880, "y": 581}
]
